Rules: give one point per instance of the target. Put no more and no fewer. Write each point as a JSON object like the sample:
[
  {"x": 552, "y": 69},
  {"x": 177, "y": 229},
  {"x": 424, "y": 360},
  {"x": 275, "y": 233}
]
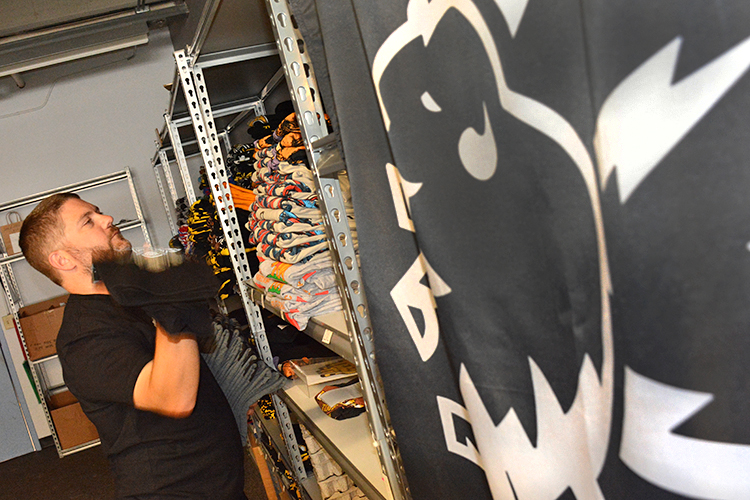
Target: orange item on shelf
[{"x": 242, "y": 197}]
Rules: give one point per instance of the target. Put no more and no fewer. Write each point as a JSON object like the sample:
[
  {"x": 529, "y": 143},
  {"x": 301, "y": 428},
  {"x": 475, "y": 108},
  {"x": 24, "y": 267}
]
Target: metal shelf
[
  {"x": 43, "y": 360},
  {"x": 195, "y": 90},
  {"x": 324, "y": 161},
  {"x": 328, "y": 329},
  {"x": 13, "y": 293},
  {"x": 78, "y": 186},
  {"x": 348, "y": 441},
  {"x": 80, "y": 447},
  {"x": 347, "y": 333}
]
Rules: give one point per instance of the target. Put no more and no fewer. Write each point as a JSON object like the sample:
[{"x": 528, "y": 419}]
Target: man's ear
[{"x": 62, "y": 260}]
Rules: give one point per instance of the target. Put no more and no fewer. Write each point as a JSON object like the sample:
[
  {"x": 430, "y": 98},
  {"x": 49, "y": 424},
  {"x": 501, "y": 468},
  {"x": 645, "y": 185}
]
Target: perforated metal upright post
[
  {"x": 164, "y": 161},
  {"x": 179, "y": 154},
  {"x": 137, "y": 206},
  {"x": 311, "y": 120},
  {"x": 199, "y": 106},
  {"x": 163, "y": 195}
]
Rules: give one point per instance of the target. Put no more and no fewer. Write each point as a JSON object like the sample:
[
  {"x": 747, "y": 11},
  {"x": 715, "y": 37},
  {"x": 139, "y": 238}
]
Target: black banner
[{"x": 552, "y": 210}]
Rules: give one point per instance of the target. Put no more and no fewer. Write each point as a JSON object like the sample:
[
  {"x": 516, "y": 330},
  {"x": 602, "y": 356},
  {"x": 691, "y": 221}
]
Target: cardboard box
[
  {"x": 40, "y": 323},
  {"x": 313, "y": 377},
  {"x": 72, "y": 426}
]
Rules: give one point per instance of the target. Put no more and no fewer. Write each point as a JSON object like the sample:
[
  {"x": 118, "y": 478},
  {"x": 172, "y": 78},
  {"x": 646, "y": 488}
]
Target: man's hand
[{"x": 168, "y": 384}]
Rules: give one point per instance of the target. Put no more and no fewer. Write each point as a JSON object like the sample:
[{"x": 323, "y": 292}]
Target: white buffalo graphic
[{"x": 639, "y": 123}]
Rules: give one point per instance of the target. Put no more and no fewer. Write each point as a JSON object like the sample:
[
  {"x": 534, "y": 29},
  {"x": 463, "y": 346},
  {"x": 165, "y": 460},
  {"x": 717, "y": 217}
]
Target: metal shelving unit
[
  {"x": 302, "y": 87},
  {"x": 195, "y": 91},
  {"x": 365, "y": 447},
  {"x": 347, "y": 441},
  {"x": 13, "y": 293},
  {"x": 170, "y": 139}
]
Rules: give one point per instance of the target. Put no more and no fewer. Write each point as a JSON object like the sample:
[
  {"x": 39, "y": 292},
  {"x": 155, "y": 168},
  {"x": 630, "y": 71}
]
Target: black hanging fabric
[{"x": 551, "y": 209}]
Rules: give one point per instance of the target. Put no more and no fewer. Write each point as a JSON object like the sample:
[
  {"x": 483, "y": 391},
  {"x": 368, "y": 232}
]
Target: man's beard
[
  {"x": 118, "y": 242},
  {"x": 119, "y": 249}
]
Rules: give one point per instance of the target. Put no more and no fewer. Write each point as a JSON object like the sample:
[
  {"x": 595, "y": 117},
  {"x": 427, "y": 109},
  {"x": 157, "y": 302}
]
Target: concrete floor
[{"x": 84, "y": 475}]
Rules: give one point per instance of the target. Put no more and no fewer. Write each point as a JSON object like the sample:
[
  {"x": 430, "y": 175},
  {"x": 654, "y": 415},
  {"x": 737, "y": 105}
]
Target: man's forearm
[{"x": 168, "y": 384}]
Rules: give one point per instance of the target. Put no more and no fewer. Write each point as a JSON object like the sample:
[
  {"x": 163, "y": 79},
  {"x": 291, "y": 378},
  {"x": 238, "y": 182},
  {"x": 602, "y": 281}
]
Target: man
[{"x": 163, "y": 421}]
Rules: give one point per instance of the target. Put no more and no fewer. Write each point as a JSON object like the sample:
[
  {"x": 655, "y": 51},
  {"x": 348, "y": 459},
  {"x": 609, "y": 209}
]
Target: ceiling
[
  {"x": 40, "y": 33},
  {"x": 21, "y": 16}
]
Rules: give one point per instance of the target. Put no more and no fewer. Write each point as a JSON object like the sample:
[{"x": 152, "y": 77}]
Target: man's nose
[{"x": 106, "y": 220}]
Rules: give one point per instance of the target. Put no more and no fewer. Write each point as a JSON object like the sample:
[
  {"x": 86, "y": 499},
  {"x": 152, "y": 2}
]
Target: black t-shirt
[{"x": 103, "y": 347}]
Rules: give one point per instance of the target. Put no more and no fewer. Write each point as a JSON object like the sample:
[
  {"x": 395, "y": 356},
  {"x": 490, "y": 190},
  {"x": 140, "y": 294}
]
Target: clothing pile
[
  {"x": 240, "y": 165},
  {"x": 240, "y": 374},
  {"x": 205, "y": 241},
  {"x": 205, "y": 237},
  {"x": 287, "y": 227},
  {"x": 182, "y": 212},
  {"x": 333, "y": 482}
]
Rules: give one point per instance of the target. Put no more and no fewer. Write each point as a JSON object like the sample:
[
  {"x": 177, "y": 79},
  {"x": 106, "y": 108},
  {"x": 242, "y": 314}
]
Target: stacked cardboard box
[
  {"x": 72, "y": 426},
  {"x": 40, "y": 323}
]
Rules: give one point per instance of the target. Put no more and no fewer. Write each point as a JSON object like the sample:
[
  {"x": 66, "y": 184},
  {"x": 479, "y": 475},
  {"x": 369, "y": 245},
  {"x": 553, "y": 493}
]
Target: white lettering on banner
[
  {"x": 570, "y": 447},
  {"x": 448, "y": 409},
  {"x": 513, "y": 13},
  {"x": 646, "y": 116},
  {"x": 429, "y": 103},
  {"x": 401, "y": 191},
  {"x": 583, "y": 437},
  {"x": 688, "y": 466},
  {"x": 409, "y": 292},
  {"x": 422, "y": 19}
]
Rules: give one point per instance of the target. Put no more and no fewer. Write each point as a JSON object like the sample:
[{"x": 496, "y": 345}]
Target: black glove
[{"x": 176, "y": 297}]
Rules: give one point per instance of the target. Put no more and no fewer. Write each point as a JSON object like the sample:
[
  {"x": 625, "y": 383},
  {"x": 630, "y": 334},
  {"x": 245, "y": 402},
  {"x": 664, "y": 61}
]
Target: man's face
[{"x": 88, "y": 230}]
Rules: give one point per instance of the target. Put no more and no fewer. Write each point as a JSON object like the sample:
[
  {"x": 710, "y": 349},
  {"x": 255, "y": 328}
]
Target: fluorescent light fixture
[{"x": 73, "y": 54}]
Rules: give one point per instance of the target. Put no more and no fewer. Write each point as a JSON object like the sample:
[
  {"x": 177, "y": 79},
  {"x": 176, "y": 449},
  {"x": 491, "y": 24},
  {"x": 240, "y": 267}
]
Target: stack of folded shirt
[
  {"x": 205, "y": 242},
  {"x": 288, "y": 230},
  {"x": 299, "y": 303}
]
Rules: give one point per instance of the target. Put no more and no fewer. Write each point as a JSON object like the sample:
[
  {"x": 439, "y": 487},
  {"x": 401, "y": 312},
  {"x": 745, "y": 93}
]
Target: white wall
[
  {"x": 80, "y": 120},
  {"x": 84, "y": 119}
]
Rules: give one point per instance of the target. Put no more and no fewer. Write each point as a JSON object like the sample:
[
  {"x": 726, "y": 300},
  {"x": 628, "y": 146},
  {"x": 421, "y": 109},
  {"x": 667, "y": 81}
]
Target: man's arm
[{"x": 168, "y": 384}]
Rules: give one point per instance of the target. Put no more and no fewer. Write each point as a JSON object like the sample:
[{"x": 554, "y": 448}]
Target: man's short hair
[{"x": 43, "y": 232}]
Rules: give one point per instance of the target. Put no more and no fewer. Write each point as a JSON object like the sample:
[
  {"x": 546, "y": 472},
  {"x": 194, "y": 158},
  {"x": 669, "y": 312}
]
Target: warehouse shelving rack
[
  {"x": 170, "y": 141},
  {"x": 326, "y": 164},
  {"x": 365, "y": 446},
  {"x": 13, "y": 292}
]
